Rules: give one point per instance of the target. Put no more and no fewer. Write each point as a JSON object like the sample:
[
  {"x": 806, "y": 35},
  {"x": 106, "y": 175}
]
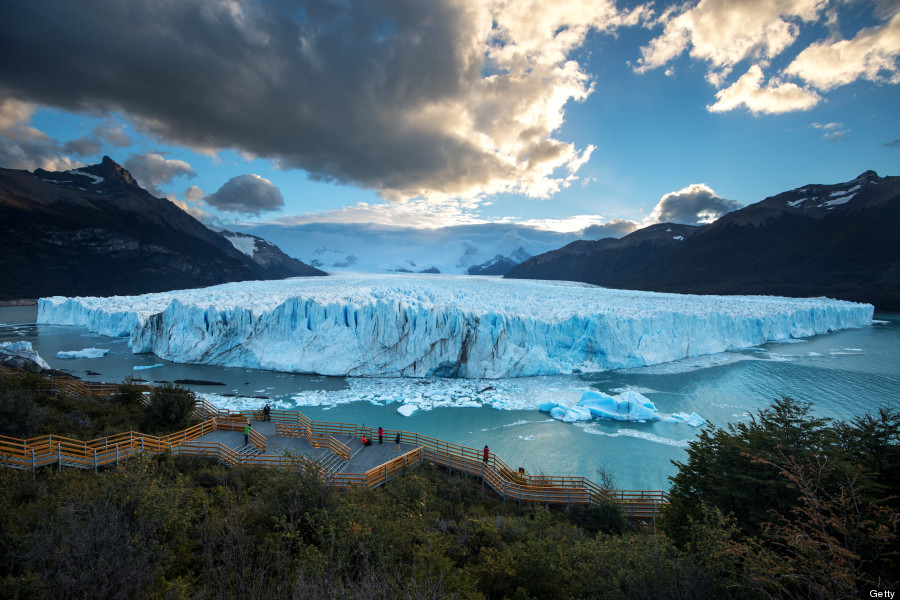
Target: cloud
[
  {"x": 725, "y": 32},
  {"x": 772, "y": 98},
  {"x": 83, "y": 146},
  {"x": 695, "y": 204},
  {"x": 246, "y": 194},
  {"x": 617, "y": 228},
  {"x": 24, "y": 146},
  {"x": 410, "y": 98},
  {"x": 113, "y": 133},
  {"x": 872, "y": 54},
  {"x": 152, "y": 170}
]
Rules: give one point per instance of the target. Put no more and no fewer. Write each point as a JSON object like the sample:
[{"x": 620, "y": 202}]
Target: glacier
[{"x": 442, "y": 325}]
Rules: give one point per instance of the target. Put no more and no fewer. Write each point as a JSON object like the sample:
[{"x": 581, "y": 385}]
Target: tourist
[
  {"x": 380, "y": 435},
  {"x": 266, "y": 411},
  {"x": 247, "y": 434},
  {"x": 397, "y": 441},
  {"x": 486, "y": 454},
  {"x": 365, "y": 441}
]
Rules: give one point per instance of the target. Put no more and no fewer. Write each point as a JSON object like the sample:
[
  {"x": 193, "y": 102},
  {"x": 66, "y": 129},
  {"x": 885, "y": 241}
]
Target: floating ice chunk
[
  {"x": 693, "y": 419},
  {"x": 24, "y": 351},
  {"x": 407, "y": 409},
  {"x": 86, "y": 353},
  {"x": 548, "y": 406},
  {"x": 577, "y": 413},
  {"x": 144, "y": 367},
  {"x": 627, "y": 406},
  {"x": 558, "y": 412}
]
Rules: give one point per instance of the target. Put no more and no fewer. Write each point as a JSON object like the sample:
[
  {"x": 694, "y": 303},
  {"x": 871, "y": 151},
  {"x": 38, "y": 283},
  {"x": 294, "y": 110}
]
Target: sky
[{"x": 561, "y": 115}]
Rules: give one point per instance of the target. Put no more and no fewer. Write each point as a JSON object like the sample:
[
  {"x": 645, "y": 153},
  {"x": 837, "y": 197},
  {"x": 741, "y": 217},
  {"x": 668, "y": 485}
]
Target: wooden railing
[
  {"x": 315, "y": 440},
  {"x": 495, "y": 473},
  {"x": 505, "y": 481},
  {"x": 67, "y": 387}
]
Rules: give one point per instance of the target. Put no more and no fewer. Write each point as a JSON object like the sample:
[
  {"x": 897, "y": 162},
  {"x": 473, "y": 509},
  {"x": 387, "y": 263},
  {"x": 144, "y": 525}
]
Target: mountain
[
  {"x": 600, "y": 261},
  {"x": 95, "y": 231},
  {"x": 374, "y": 248},
  {"x": 500, "y": 264},
  {"x": 835, "y": 240},
  {"x": 268, "y": 255}
]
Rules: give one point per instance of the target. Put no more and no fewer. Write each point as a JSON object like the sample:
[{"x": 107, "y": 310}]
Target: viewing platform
[{"x": 332, "y": 451}]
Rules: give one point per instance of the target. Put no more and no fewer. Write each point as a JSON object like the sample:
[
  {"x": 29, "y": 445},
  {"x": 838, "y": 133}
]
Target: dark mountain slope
[
  {"x": 94, "y": 231},
  {"x": 837, "y": 240},
  {"x": 603, "y": 261},
  {"x": 808, "y": 242}
]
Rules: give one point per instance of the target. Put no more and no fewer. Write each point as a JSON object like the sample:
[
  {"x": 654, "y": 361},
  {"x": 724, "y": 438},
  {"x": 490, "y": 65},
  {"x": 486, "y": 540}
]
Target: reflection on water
[{"x": 844, "y": 374}]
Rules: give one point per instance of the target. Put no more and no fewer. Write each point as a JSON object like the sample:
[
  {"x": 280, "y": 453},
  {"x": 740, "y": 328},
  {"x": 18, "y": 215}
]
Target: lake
[{"x": 844, "y": 374}]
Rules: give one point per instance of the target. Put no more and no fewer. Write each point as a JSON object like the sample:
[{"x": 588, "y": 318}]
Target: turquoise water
[{"x": 844, "y": 374}]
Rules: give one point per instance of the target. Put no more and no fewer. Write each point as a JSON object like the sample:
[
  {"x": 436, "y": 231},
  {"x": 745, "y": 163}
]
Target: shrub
[
  {"x": 169, "y": 408},
  {"x": 129, "y": 393}
]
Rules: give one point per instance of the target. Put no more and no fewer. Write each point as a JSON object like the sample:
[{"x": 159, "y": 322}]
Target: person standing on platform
[
  {"x": 380, "y": 435},
  {"x": 266, "y": 411},
  {"x": 397, "y": 442},
  {"x": 247, "y": 434},
  {"x": 486, "y": 454}
]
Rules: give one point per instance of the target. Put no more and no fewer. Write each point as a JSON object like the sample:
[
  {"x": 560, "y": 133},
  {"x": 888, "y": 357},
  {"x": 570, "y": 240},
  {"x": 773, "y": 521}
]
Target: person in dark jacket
[{"x": 397, "y": 442}]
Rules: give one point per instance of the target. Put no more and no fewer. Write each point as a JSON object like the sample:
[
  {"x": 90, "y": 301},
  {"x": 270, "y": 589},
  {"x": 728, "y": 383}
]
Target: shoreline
[{"x": 22, "y": 302}]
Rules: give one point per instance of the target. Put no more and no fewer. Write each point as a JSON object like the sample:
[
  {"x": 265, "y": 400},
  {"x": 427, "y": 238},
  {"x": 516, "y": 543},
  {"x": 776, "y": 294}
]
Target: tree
[{"x": 169, "y": 408}]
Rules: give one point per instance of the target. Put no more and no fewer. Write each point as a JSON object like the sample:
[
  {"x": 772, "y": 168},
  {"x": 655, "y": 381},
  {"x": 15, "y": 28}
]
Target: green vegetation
[
  {"x": 169, "y": 409},
  {"x": 786, "y": 506},
  {"x": 28, "y": 409}
]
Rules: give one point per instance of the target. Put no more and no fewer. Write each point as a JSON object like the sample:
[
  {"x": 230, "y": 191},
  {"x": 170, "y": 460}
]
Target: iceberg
[
  {"x": 693, "y": 419},
  {"x": 22, "y": 356},
  {"x": 86, "y": 353},
  {"x": 627, "y": 406},
  {"x": 443, "y": 326}
]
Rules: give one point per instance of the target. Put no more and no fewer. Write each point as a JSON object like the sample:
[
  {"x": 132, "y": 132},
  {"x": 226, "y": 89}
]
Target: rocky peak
[{"x": 110, "y": 169}]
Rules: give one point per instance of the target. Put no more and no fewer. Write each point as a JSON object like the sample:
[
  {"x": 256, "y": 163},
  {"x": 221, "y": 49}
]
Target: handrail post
[
  {"x": 117, "y": 455},
  {"x": 59, "y": 456},
  {"x": 95, "y": 460}
]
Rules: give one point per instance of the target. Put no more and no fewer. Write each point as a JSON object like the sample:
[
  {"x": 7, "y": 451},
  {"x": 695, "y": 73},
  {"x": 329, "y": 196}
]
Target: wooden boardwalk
[
  {"x": 362, "y": 458},
  {"x": 332, "y": 451}
]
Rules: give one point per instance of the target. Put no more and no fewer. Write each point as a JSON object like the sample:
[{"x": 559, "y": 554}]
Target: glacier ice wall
[{"x": 451, "y": 326}]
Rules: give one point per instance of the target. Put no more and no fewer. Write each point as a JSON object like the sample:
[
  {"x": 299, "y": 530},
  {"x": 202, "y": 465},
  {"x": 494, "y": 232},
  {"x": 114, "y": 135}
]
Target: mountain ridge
[
  {"x": 834, "y": 240},
  {"x": 95, "y": 231}
]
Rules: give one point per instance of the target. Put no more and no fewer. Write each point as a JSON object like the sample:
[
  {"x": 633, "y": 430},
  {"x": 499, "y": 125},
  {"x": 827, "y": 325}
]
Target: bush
[
  {"x": 169, "y": 408},
  {"x": 128, "y": 394}
]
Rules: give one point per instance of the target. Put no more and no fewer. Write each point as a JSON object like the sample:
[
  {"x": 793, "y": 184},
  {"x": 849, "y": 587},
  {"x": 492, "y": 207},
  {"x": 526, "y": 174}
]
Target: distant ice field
[{"x": 443, "y": 326}]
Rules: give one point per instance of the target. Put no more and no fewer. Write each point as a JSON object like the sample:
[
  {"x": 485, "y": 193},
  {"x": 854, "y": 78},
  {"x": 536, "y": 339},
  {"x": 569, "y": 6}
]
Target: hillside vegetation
[{"x": 787, "y": 506}]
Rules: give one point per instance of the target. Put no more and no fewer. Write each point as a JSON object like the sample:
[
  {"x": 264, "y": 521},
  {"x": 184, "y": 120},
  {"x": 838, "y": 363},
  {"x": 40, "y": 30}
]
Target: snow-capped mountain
[
  {"x": 94, "y": 230},
  {"x": 268, "y": 255},
  {"x": 368, "y": 248},
  {"x": 835, "y": 240}
]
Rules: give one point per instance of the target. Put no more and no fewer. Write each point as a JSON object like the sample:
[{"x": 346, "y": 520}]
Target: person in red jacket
[
  {"x": 486, "y": 454},
  {"x": 380, "y": 435}
]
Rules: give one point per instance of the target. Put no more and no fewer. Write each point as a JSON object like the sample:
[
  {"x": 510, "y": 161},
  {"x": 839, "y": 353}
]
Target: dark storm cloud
[
  {"x": 314, "y": 85},
  {"x": 247, "y": 194},
  {"x": 694, "y": 205}
]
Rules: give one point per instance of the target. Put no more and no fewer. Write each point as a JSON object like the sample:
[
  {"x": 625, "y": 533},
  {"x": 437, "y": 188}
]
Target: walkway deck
[{"x": 362, "y": 459}]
